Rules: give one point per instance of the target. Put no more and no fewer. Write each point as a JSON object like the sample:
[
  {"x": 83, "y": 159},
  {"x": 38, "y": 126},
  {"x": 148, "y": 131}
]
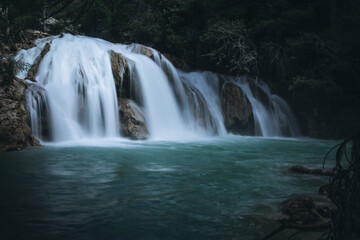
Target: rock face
[
  {"x": 237, "y": 111},
  {"x": 132, "y": 120},
  {"x": 15, "y": 132}
]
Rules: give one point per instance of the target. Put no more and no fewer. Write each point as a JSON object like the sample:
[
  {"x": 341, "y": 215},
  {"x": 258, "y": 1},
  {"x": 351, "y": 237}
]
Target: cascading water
[
  {"x": 80, "y": 92},
  {"x": 163, "y": 114},
  {"x": 276, "y": 119},
  {"x": 76, "y": 95}
]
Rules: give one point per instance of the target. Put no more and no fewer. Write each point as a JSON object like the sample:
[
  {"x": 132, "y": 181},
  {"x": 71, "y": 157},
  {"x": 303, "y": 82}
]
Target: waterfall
[
  {"x": 276, "y": 119},
  {"x": 163, "y": 113},
  {"x": 77, "y": 96}
]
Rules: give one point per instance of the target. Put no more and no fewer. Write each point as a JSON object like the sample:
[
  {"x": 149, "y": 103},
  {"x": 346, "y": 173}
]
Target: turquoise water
[{"x": 221, "y": 188}]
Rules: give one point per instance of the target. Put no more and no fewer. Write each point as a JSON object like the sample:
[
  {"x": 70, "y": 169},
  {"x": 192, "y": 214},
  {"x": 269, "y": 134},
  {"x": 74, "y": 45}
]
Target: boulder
[
  {"x": 35, "y": 67},
  {"x": 15, "y": 132},
  {"x": 132, "y": 120},
  {"x": 237, "y": 111}
]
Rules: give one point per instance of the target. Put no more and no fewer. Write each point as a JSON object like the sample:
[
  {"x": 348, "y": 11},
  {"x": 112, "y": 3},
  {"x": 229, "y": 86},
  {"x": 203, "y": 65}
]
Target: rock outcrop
[
  {"x": 15, "y": 132},
  {"x": 237, "y": 111},
  {"x": 132, "y": 120}
]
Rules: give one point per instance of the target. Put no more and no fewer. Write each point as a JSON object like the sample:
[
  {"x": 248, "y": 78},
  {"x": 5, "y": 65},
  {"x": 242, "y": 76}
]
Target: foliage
[
  {"x": 231, "y": 48},
  {"x": 10, "y": 67},
  {"x": 345, "y": 191}
]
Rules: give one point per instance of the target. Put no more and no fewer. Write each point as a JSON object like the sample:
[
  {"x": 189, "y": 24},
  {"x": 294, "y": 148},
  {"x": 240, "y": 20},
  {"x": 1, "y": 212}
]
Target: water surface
[{"x": 220, "y": 188}]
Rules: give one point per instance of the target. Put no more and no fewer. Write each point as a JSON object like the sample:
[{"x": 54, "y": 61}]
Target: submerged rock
[
  {"x": 35, "y": 67},
  {"x": 132, "y": 120},
  {"x": 15, "y": 132},
  {"x": 237, "y": 111},
  {"x": 304, "y": 170}
]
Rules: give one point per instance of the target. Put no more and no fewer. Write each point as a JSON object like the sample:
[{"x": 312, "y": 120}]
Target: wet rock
[
  {"x": 237, "y": 111},
  {"x": 126, "y": 81},
  {"x": 35, "y": 67},
  {"x": 304, "y": 170},
  {"x": 132, "y": 120},
  {"x": 15, "y": 132},
  {"x": 121, "y": 72},
  {"x": 141, "y": 49}
]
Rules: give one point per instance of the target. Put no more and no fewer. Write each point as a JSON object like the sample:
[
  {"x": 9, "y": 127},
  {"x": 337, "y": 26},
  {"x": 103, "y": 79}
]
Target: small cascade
[
  {"x": 272, "y": 115},
  {"x": 81, "y": 83},
  {"x": 204, "y": 91},
  {"x": 163, "y": 114}
]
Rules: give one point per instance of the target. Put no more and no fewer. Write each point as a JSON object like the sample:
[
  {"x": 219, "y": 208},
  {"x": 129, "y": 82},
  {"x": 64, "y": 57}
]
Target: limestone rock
[
  {"x": 15, "y": 132},
  {"x": 237, "y": 111},
  {"x": 132, "y": 120}
]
